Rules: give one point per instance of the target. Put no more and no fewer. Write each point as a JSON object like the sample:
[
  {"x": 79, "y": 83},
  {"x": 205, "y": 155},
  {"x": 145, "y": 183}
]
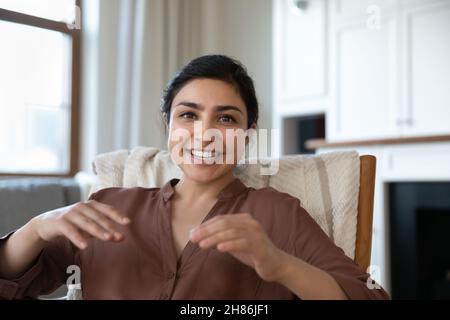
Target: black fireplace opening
[
  {"x": 433, "y": 253},
  {"x": 419, "y": 216},
  {"x": 298, "y": 130}
]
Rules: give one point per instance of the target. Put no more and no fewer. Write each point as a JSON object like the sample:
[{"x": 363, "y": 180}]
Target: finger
[
  {"x": 219, "y": 224},
  {"x": 109, "y": 211},
  {"x": 84, "y": 234},
  {"x": 222, "y": 236},
  {"x": 74, "y": 235},
  {"x": 235, "y": 245},
  {"x": 226, "y": 222},
  {"x": 91, "y": 227},
  {"x": 103, "y": 221}
]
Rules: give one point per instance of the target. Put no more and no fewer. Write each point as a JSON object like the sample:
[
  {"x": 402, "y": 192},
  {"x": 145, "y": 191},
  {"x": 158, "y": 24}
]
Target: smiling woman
[{"x": 204, "y": 236}]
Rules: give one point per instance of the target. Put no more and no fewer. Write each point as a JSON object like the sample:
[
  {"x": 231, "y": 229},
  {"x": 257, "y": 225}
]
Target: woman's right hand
[{"x": 79, "y": 222}]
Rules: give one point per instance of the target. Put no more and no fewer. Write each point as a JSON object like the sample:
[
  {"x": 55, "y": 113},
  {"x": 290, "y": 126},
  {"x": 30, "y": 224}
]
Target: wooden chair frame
[{"x": 363, "y": 246}]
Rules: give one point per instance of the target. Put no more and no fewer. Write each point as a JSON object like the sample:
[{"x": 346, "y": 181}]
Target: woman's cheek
[
  {"x": 179, "y": 138},
  {"x": 234, "y": 145}
]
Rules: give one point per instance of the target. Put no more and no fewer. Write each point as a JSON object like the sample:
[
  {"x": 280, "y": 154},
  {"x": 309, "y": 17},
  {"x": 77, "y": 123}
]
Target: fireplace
[
  {"x": 419, "y": 216},
  {"x": 298, "y": 130}
]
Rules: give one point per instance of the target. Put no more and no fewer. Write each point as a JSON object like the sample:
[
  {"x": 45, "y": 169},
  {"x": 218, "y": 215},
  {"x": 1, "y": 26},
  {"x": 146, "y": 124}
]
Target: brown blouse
[{"x": 145, "y": 266}]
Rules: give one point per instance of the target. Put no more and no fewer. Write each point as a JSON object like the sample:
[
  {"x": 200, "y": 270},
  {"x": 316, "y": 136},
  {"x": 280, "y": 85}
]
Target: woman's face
[{"x": 208, "y": 120}]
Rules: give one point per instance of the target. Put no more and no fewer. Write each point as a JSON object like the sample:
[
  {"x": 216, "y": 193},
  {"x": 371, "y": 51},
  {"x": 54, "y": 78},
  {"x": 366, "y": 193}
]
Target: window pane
[
  {"x": 35, "y": 69},
  {"x": 59, "y": 10}
]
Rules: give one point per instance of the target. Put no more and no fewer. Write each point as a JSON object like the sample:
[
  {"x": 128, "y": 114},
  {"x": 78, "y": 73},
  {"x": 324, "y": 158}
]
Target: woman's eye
[
  {"x": 226, "y": 119},
  {"x": 187, "y": 115}
]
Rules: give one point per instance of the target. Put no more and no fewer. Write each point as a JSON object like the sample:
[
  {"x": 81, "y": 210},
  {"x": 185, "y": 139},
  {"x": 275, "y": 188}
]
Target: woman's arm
[
  {"x": 244, "y": 238},
  {"x": 19, "y": 252},
  {"x": 333, "y": 276},
  {"x": 76, "y": 222},
  {"x": 307, "y": 281}
]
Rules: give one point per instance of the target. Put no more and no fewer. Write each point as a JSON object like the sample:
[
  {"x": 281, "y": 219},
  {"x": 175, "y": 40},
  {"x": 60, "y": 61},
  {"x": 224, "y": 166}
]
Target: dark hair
[{"x": 218, "y": 67}]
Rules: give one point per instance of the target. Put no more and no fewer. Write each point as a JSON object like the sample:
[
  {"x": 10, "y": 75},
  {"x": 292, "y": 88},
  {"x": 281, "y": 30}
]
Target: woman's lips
[
  {"x": 203, "y": 157},
  {"x": 203, "y": 154}
]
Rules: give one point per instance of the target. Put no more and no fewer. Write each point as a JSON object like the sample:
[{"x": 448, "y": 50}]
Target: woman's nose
[
  {"x": 204, "y": 140},
  {"x": 208, "y": 124},
  {"x": 204, "y": 133}
]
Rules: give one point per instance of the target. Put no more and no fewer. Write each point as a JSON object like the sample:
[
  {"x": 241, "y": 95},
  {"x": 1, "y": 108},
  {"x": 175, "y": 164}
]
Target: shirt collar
[{"x": 232, "y": 189}]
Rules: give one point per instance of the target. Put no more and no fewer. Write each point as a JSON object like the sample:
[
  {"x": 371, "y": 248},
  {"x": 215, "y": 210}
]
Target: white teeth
[{"x": 202, "y": 154}]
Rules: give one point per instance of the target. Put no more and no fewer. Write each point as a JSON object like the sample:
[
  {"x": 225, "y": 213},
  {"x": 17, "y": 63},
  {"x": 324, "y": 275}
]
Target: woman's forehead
[{"x": 209, "y": 93}]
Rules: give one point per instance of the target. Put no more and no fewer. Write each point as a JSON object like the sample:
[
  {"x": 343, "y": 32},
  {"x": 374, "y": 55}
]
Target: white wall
[
  {"x": 99, "y": 57},
  {"x": 245, "y": 32}
]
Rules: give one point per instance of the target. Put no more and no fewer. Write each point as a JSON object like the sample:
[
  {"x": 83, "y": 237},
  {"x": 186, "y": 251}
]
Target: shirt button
[{"x": 170, "y": 275}]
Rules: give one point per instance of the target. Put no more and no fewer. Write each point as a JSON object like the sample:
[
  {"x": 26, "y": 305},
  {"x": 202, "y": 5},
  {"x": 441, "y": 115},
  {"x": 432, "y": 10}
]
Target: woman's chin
[{"x": 204, "y": 172}]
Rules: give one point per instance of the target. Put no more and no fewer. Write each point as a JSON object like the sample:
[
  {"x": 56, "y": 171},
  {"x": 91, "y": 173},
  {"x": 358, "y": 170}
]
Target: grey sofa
[{"x": 23, "y": 198}]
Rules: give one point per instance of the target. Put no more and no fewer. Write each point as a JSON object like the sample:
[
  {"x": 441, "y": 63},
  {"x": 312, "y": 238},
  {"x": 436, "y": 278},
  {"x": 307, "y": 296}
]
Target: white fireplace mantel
[{"x": 419, "y": 162}]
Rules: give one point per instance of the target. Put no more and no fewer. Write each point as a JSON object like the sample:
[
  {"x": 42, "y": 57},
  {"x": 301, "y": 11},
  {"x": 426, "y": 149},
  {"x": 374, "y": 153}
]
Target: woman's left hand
[{"x": 244, "y": 238}]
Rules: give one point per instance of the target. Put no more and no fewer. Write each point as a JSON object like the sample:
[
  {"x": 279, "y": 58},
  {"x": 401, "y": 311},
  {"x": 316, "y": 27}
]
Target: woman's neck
[{"x": 193, "y": 191}]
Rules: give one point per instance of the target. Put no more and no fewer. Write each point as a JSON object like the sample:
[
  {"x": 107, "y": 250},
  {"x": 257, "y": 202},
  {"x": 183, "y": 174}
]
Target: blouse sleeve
[
  {"x": 312, "y": 245},
  {"x": 47, "y": 273}
]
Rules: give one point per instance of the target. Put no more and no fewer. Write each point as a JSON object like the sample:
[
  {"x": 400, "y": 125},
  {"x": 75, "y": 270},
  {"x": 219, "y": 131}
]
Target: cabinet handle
[
  {"x": 300, "y": 5},
  {"x": 408, "y": 122}
]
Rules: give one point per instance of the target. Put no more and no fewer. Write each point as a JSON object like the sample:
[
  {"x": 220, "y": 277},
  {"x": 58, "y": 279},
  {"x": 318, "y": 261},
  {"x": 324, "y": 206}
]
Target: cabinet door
[
  {"x": 299, "y": 54},
  {"x": 364, "y": 80},
  {"x": 428, "y": 69},
  {"x": 348, "y": 9}
]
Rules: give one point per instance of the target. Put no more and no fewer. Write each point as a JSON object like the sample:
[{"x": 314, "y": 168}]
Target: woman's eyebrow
[
  {"x": 190, "y": 105},
  {"x": 200, "y": 107},
  {"x": 224, "y": 108}
]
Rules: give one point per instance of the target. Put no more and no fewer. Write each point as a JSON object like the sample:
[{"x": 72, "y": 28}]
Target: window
[{"x": 39, "y": 87}]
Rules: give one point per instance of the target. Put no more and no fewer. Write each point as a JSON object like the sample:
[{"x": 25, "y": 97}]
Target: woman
[{"x": 205, "y": 236}]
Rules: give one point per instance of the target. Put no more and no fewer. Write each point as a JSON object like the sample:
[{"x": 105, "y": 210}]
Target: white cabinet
[
  {"x": 427, "y": 76},
  {"x": 377, "y": 69},
  {"x": 389, "y": 69},
  {"x": 364, "y": 98},
  {"x": 300, "y": 57}
]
